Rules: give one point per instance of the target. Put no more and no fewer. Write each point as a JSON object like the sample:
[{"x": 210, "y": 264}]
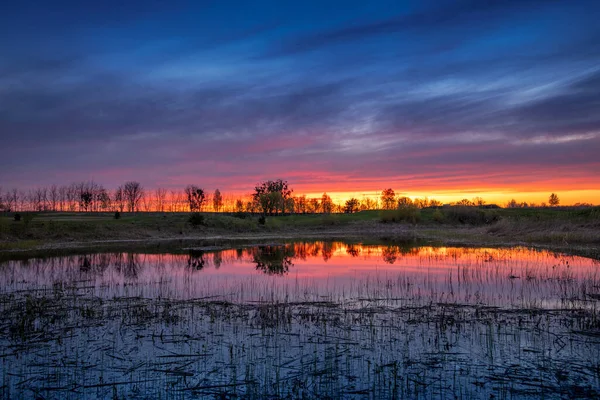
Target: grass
[{"x": 564, "y": 226}]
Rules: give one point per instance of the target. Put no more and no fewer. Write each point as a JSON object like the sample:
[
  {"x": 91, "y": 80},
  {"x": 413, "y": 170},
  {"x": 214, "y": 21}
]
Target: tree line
[{"x": 270, "y": 197}]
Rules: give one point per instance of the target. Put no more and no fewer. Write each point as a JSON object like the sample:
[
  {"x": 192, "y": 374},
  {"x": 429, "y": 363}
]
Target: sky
[{"x": 432, "y": 98}]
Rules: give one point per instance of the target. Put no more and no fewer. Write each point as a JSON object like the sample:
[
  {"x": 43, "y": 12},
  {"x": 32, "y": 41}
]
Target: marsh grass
[{"x": 72, "y": 345}]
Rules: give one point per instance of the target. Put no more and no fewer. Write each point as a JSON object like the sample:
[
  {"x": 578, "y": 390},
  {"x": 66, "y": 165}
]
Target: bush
[
  {"x": 406, "y": 213},
  {"x": 196, "y": 219},
  {"x": 230, "y": 223},
  {"x": 438, "y": 216},
  {"x": 240, "y": 215},
  {"x": 262, "y": 220},
  {"x": 17, "y": 217},
  {"x": 117, "y": 215},
  {"x": 471, "y": 215}
]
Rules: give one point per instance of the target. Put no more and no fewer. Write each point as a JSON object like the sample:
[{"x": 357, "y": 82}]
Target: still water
[
  {"x": 333, "y": 271},
  {"x": 302, "y": 320}
]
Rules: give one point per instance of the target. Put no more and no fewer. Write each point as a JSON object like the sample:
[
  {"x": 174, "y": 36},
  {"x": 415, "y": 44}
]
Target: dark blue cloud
[{"x": 326, "y": 85}]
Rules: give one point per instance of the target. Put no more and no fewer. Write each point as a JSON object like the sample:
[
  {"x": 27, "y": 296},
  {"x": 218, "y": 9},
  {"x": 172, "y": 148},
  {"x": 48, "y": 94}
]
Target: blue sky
[{"x": 429, "y": 95}]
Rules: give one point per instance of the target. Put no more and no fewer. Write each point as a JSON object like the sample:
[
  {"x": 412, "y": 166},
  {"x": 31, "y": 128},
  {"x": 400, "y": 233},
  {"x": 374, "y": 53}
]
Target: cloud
[{"x": 442, "y": 92}]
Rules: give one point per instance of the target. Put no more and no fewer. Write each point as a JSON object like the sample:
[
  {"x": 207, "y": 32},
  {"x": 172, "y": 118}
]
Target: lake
[{"x": 301, "y": 320}]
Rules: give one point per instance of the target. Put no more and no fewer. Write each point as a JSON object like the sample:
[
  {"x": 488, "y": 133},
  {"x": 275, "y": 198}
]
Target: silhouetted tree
[
  {"x": 351, "y": 206},
  {"x": 313, "y": 206},
  {"x": 478, "y": 201},
  {"x": 388, "y": 199},
  {"x": 85, "y": 200},
  {"x": 464, "y": 202},
  {"x": 272, "y": 196},
  {"x": 435, "y": 203},
  {"x": 133, "y": 192},
  {"x": 553, "y": 200},
  {"x": 404, "y": 202},
  {"x": 195, "y": 197},
  {"x": 512, "y": 204},
  {"x": 54, "y": 196},
  {"x": 217, "y": 200},
  {"x": 239, "y": 206},
  {"x": 161, "y": 199},
  {"x": 326, "y": 204},
  {"x": 119, "y": 198}
]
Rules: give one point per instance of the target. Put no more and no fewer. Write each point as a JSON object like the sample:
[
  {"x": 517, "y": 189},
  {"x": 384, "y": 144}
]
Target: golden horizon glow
[{"x": 567, "y": 197}]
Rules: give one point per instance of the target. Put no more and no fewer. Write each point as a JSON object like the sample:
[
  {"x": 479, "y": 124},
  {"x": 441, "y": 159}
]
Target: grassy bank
[{"x": 558, "y": 227}]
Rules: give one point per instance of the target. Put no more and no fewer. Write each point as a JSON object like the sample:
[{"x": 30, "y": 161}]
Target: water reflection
[
  {"x": 518, "y": 277},
  {"x": 273, "y": 260},
  {"x": 196, "y": 260}
]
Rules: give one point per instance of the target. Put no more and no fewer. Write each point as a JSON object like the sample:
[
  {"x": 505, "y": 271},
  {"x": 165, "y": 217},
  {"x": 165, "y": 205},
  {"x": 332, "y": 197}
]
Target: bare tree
[
  {"x": 161, "y": 199},
  {"x": 8, "y": 201},
  {"x": 217, "y": 200},
  {"x": 133, "y": 193},
  {"x": 119, "y": 199}
]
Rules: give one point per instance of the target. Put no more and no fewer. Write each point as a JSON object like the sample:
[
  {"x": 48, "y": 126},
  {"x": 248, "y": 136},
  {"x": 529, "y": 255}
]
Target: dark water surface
[{"x": 302, "y": 320}]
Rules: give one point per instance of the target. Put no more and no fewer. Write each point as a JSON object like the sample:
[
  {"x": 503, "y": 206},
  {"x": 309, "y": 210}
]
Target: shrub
[
  {"x": 407, "y": 213},
  {"x": 471, "y": 215},
  {"x": 17, "y": 217},
  {"x": 117, "y": 215},
  {"x": 230, "y": 223},
  {"x": 27, "y": 218},
  {"x": 240, "y": 215},
  {"x": 196, "y": 219},
  {"x": 438, "y": 216}
]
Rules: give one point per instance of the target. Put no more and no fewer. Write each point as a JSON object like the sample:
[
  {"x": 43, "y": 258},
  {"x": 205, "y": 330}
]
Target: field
[{"x": 560, "y": 227}]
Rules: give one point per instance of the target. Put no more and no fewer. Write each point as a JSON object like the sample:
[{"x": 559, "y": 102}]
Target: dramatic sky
[{"x": 428, "y": 97}]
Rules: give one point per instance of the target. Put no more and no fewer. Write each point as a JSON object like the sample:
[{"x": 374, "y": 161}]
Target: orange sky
[{"x": 567, "y": 197}]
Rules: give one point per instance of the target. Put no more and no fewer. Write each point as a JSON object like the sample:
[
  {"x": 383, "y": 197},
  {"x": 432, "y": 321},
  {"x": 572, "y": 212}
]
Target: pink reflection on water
[{"x": 325, "y": 271}]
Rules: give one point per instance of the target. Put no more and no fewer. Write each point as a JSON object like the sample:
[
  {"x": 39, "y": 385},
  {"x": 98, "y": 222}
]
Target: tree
[
  {"x": 104, "y": 199},
  {"x": 404, "y": 202},
  {"x": 388, "y": 199},
  {"x": 272, "y": 196},
  {"x": 465, "y": 203},
  {"x": 352, "y": 205},
  {"x": 85, "y": 200},
  {"x": 119, "y": 199},
  {"x": 326, "y": 204},
  {"x": 553, "y": 200},
  {"x": 161, "y": 199},
  {"x": 133, "y": 193},
  {"x": 478, "y": 201},
  {"x": 239, "y": 206},
  {"x": 217, "y": 200},
  {"x": 512, "y": 204},
  {"x": 435, "y": 203},
  {"x": 195, "y": 197},
  {"x": 421, "y": 203},
  {"x": 313, "y": 205}
]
